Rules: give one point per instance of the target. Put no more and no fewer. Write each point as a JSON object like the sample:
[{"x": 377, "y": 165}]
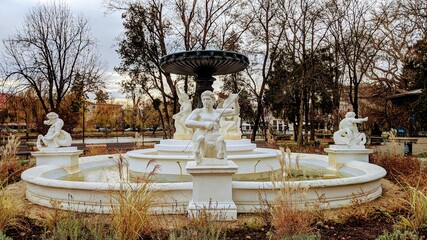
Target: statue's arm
[
  {"x": 193, "y": 122},
  {"x": 58, "y": 127},
  {"x": 360, "y": 120}
]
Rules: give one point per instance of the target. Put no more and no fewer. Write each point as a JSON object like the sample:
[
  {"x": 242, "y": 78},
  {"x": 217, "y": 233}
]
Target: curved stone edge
[{"x": 174, "y": 197}]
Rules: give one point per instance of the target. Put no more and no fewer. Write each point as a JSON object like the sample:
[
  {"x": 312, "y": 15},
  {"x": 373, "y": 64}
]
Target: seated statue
[
  {"x": 55, "y": 136},
  {"x": 208, "y": 142},
  {"x": 348, "y": 133},
  {"x": 230, "y": 124},
  {"x": 181, "y": 131}
]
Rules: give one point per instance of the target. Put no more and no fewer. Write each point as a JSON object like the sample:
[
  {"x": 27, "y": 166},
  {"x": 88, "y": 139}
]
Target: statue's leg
[
  {"x": 198, "y": 148},
  {"x": 39, "y": 141},
  {"x": 220, "y": 147},
  {"x": 362, "y": 139}
]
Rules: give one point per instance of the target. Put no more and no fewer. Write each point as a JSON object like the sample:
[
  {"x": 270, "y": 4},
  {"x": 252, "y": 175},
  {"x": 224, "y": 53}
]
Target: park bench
[
  {"x": 283, "y": 137},
  {"x": 24, "y": 151},
  {"x": 120, "y": 147},
  {"x": 376, "y": 140}
]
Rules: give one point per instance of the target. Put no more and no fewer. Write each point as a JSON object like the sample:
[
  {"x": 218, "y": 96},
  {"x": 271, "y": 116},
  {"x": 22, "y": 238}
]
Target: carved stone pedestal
[
  {"x": 66, "y": 157},
  {"x": 339, "y": 154},
  {"x": 212, "y": 189}
]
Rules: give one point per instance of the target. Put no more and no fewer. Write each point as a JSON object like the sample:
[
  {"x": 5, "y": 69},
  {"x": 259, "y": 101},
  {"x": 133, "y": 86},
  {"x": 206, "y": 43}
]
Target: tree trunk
[{"x": 257, "y": 120}]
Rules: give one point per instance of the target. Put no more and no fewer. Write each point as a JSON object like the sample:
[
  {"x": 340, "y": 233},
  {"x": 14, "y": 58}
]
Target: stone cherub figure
[
  {"x": 55, "y": 136},
  {"x": 230, "y": 124},
  {"x": 348, "y": 133},
  {"x": 207, "y": 140},
  {"x": 181, "y": 131}
]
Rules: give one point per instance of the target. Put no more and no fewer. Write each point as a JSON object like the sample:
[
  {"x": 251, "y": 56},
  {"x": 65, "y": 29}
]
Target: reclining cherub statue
[
  {"x": 348, "y": 133},
  {"x": 55, "y": 136}
]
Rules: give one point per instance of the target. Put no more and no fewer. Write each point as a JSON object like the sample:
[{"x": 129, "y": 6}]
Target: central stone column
[{"x": 212, "y": 189}]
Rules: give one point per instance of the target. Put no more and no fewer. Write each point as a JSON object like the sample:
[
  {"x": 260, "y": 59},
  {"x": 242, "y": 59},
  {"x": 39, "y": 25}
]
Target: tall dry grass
[
  {"x": 416, "y": 202},
  {"x": 130, "y": 215},
  {"x": 11, "y": 211},
  {"x": 290, "y": 215},
  {"x": 10, "y": 167}
]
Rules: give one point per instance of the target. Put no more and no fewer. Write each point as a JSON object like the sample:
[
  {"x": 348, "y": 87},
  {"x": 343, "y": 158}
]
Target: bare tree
[
  {"x": 50, "y": 50},
  {"x": 306, "y": 32},
  {"x": 265, "y": 34},
  {"x": 153, "y": 31},
  {"x": 359, "y": 42},
  {"x": 402, "y": 23}
]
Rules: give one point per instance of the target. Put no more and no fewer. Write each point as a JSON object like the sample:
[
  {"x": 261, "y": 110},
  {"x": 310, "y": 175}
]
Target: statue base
[
  {"x": 340, "y": 154},
  {"x": 66, "y": 157},
  {"x": 212, "y": 189}
]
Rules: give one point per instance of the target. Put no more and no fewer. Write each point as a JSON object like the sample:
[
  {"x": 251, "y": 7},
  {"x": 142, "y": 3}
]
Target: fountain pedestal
[
  {"x": 340, "y": 154},
  {"x": 212, "y": 189},
  {"x": 66, "y": 157}
]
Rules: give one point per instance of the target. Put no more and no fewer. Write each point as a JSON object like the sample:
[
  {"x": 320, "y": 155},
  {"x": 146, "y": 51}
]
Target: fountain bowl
[
  {"x": 45, "y": 187},
  {"x": 210, "y": 62}
]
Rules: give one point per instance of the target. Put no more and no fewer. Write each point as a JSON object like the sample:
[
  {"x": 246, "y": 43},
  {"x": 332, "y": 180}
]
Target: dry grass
[
  {"x": 96, "y": 150},
  {"x": 416, "y": 200},
  {"x": 130, "y": 216},
  {"x": 287, "y": 215},
  {"x": 10, "y": 211},
  {"x": 10, "y": 167},
  {"x": 401, "y": 169},
  {"x": 60, "y": 224},
  {"x": 205, "y": 227},
  {"x": 310, "y": 149}
]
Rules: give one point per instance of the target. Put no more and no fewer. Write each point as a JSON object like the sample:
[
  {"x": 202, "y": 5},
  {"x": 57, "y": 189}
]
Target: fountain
[{"x": 196, "y": 173}]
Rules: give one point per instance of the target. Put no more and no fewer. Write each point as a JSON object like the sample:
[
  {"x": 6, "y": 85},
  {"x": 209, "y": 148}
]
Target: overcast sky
[{"x": 105, "y": 28}]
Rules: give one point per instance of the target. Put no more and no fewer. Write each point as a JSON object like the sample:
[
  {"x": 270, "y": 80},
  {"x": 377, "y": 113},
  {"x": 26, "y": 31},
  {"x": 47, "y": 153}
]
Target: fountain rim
[
  {"x": 35, "y": 176},
  {"x": 184, "y": 57}
]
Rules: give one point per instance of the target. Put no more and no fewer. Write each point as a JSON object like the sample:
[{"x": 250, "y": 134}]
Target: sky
[{"x": 105, "y": 29}]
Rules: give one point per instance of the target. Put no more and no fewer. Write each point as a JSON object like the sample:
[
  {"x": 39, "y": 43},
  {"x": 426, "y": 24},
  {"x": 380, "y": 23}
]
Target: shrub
[
  {"x": 400, "y": 169},
  {"x": 78, "y": 226},
  {"x": 96, "y": 150},
  {"x": 398, "y": 235},
  {"x": 4, "y": 237}
]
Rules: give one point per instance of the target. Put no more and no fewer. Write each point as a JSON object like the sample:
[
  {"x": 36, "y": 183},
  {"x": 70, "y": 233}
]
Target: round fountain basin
[{"x": 97, "y": 193}]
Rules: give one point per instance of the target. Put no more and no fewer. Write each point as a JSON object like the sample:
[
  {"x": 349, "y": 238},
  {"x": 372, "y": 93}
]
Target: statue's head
[
  {"x": 350, "y": 115},
  {"x": 208, "y": 95},
  {"x": 52, "y": 115}
]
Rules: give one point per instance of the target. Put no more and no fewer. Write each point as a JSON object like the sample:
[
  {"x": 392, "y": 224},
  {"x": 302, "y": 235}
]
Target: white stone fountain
[
  {"x": 191, "y": 179},
  {"x": 207, "y": 167}
]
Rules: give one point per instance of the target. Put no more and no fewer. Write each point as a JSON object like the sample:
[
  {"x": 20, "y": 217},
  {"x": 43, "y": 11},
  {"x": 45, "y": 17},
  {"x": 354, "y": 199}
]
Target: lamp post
[
  {"x": 141, "y": 113},
  {"x": 83, "y": 122}
]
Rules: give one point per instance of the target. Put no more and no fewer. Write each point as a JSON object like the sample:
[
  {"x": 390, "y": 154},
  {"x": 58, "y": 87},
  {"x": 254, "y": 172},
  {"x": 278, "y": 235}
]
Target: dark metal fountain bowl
[{"x": 204, "y": 62}]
